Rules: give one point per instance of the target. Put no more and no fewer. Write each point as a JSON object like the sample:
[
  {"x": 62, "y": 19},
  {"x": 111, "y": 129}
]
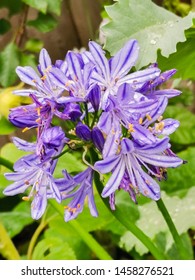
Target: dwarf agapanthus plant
[{"x": 102, "y": 108}]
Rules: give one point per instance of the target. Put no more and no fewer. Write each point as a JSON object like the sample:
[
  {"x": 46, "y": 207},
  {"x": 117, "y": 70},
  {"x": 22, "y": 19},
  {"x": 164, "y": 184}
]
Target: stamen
[
  {"x": 25, "y": 198},
  {"x": 160, "y": 118},
  {"x": 148, "y": 117},
  {"x": 131, "y": 129},
  {"x": 38, "y": 120},
  {"x": 140, "y": 121},
  {"x": 25, "y": 129},
  {"x": 43, "y": 77}
]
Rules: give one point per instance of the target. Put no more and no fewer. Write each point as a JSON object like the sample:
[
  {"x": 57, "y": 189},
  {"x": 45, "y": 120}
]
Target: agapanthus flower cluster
[{"x": 101, "y": 106}]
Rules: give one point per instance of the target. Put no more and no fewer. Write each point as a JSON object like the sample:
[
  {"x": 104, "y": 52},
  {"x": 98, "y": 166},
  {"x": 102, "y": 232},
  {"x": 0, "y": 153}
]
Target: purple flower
[
  {"x": 78, "y": 194},
  {"x": 110, "y": 74},
  {"x": 54, "y": 137},
  {"x": 131, "y": 162},
  {"x": 30, "y": 171}
]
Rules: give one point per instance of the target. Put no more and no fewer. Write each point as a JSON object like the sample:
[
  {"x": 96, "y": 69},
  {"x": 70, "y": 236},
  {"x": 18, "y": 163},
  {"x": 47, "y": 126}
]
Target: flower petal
[
  {"x": 28, "y": 75},
  {"x": 100, "y": 59},
  {"x": 44, "y": 60},
  {"x": 108, "y": 164},
  {"x": 161, "y": 160},
  {"x": 124, "y": 59},
  {"x": 115, "y": 179}
]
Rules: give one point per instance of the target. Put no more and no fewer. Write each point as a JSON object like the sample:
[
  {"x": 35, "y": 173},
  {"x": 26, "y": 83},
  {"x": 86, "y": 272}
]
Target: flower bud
[
  {"x": 83, "y": 132},
  {"x": 98, "y": 138},
  {"x": 94, "y": 97}
]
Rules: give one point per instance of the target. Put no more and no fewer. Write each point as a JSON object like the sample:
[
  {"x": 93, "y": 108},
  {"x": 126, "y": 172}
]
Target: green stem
[
  {"x": 34, "y": 238},
  {"x": 123, "y": 219},
  {"x": 6, "y": 163},
  {"x": 87, "y": 238},
  {"x": 94, "y": 119},
  {"x": 178, "y": 241},
  {"x": 61, "y": 154},
  {"x": 86, "y": 114},
  {"x": 7, "y": 248}
]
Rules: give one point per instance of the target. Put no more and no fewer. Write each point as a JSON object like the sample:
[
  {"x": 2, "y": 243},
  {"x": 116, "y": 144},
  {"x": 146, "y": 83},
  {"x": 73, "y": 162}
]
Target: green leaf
[
  {"x": 37, "y": 4},
  {"x": 33, "y": 45},
  {"x": 180, "y": 179},
  {"x": 152, "y": 222},
  {"x": 53, "y": 249},
  {"x": 173, "y": 252},
  {"x": 66, "y": 233},
  {"x": 6, "y": 127},
  {"x": 183, "y": 60},
  {"x": 17, "y": 219},
  {"x": 44, "y": 23},
  {"x": 69, "y": 162},
  {"x": 4, "y": 26},
  {"x": 7, "y": 248},
  {"x": 54, "y": 6},
  {"x": 185, "y": 134},
  {"x": 153, "y": 26},
  {"x": 11, "y": 153},
  {"x": 9, "y": 60},
  {"x": 13, "y": 6},
  {"x": 28, "y": 59}
]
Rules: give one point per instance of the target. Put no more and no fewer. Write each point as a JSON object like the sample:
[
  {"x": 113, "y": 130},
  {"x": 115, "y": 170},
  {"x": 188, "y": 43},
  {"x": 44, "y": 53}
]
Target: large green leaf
[
  {"x": 37, "y": 4},
  {"x": 66, "y": 233},
  {"x": 9, "y": 60},
  {"x": 44, "y": 23},
  {"x": 180, "y": 179},
  {"x": 17, "y": 219},
  {"x": 5, "y": 126},
  {"x": 152, "y": 222},
  {"x": 185, "y": 134},
  {"x": 153, "y": 26},
  {"x": 54, "y": 6},
  {"x": 69, "y": 162},
  {"x": 53, "y": 249},
  {"x": 11, "y": 153},
  {"x": 45, "y": 5},
  {"x": 183, "y": 60}
]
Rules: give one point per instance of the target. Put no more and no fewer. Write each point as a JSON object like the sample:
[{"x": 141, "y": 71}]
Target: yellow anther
[
  {"x": 78, "y": 205},
  {"x": 160, "y": 118},
  {"x": 150, "y": 129},
  {"x": 38, "y": 111},
  {"x": 160, "y": 126},
  {"x": 43, "y": 77},
  {"x": 27, "y": 183},
  {"x": 72, "y": 132},
  {"x": 25, "y": 129},
  {"x": 140, "y": 121},
  {"x": 34, "y": 81},
  {"x": 38, "y": 120},
  {"x": 131, "y": 129},
  {"x": 25, "y": 198},
  {"x": 148, "y": 117}
]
